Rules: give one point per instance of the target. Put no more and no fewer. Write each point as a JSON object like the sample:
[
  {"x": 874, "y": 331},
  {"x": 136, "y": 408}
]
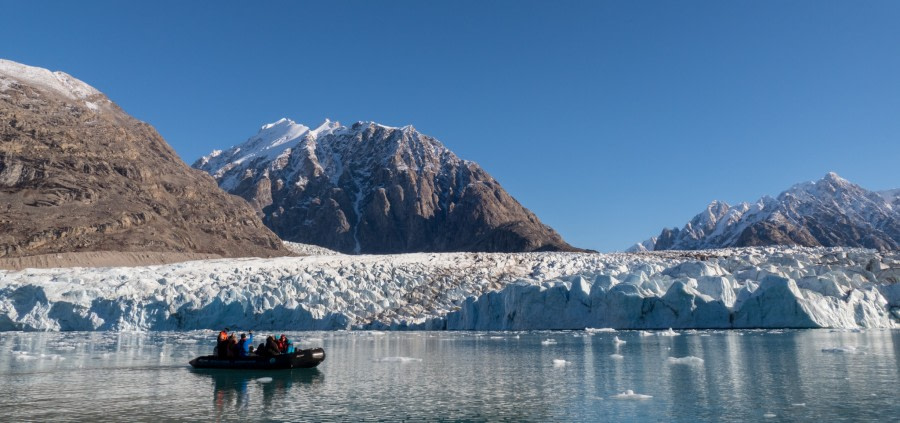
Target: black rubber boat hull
[{"x": 303, "y": 359}]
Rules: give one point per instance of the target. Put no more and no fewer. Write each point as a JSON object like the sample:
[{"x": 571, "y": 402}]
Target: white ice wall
[{"x": 758, "y": 287}]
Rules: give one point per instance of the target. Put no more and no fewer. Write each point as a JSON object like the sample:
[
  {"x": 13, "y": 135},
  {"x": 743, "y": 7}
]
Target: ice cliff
[{"x": 731, "y": 288}]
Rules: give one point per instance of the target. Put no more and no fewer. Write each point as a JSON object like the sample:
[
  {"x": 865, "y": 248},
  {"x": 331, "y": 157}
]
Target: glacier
[{"x": 760, "y": 287}]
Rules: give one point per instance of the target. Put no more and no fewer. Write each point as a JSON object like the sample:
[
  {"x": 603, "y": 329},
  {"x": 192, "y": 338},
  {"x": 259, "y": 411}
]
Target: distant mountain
[
  {"x": 371, "y": 188},
  {"x": 830, "y": 212},
  {"x": 78, "y": 174}
]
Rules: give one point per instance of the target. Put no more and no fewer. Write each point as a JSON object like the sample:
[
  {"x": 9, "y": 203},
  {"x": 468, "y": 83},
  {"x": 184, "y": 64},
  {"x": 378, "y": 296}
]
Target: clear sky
[{"x": 609, "y": 119}]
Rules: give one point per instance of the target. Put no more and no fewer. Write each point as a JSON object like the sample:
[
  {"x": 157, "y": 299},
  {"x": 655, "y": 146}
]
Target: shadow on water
[{"x": 237, "y": 391}]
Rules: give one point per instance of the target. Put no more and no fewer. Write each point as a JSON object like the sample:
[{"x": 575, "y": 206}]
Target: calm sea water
[{"x": 812, "y": 375}]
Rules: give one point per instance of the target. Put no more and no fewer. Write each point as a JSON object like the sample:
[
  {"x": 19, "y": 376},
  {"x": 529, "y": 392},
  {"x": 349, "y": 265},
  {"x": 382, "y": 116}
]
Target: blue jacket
[{"x": 245, "y": 345}]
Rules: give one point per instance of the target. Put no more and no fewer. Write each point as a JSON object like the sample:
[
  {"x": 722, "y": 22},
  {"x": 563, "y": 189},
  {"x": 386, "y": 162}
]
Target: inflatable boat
[{"x": 302, "y": 359}]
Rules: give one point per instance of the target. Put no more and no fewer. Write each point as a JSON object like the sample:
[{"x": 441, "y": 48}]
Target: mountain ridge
[{"x": 830, "y": 212}]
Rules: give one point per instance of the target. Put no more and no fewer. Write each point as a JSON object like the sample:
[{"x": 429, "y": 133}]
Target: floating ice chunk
[
  {"x": 798, "y": 404},
  {"x": 645, "y": 333},
  {"x": 616, "y": 356},
  {"x": 689, "y": 360},
  {"x": 376, "y": 332},
  {"x": 308, "y": 340},
  {"x": 264, "y": 380},
  {"x": 398, "y": 360},
  {"x": 496, "y": 337},
  {"x": 770, "y": 415},
  {"x": 548, "y": 342},
  {"x": 669, "y": 332},
  {"x": 595, "y": 330},
  {"x": 630, "y": 395},
  {"x": 560, "y": 362},
  {"x": 843, "y": 350},
  {"x": 618, "y": 341},
  {"x": 23, "y": 355}
]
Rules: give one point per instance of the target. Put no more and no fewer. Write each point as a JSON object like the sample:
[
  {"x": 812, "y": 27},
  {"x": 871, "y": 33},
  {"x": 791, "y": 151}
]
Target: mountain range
[
  {"x": 372, "y": 188},
  {"x": 830, "y": 212}
]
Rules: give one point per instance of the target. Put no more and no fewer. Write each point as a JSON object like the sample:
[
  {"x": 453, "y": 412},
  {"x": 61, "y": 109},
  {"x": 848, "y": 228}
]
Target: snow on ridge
[
  {"x": 58, "y": 82},
  {"x": 891, "y": 195},
  {"x": 732, "y": 288}
]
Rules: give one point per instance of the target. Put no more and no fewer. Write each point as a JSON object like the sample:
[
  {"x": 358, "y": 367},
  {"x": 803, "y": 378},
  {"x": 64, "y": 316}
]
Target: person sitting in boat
[
  {"x": 282, "y": 343},
  {"x": 232, "y": 346},
  {"x": 271, "y": 347},
  {"x": 244, "y": 344},
  {"x": 221, "y": 347}
]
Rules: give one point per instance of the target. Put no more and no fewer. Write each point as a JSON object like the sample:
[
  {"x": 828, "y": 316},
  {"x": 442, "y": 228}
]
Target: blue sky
[{"x": 609, "y": 120}]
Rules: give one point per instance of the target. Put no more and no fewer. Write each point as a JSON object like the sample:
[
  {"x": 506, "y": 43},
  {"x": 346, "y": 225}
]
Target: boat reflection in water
[{"x": 236, "y": 392}]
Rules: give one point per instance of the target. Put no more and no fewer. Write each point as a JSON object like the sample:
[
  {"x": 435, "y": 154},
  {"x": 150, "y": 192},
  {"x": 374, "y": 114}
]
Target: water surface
[{"x": 810, "y": 375}]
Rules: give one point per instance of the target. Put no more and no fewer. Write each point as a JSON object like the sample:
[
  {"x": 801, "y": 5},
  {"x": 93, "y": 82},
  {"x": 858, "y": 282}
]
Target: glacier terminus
[{"x": 760, "y": 287}]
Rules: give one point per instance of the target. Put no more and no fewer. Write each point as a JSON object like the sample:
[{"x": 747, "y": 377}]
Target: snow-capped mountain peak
[
  {"x": 371, "y": 187},
  {"x": 829, "y": 212}
]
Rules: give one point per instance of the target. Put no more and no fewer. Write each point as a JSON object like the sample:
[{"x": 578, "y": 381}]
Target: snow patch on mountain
[{"x": 58, "y": 82}]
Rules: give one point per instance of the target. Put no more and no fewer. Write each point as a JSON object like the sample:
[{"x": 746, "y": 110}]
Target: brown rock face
[
  {"x": 375, "y": 189},
  {"x": 79, "y": 174}
]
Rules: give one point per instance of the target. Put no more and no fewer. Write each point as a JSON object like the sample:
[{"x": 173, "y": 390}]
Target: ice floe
[
  {"x": 398, "y": 360},
  {"x": 844, "y": 350},
  {"x": 597, "y": 330},
  {"x": 630, "y": 395},
  {"x": 689, "y": 360}
]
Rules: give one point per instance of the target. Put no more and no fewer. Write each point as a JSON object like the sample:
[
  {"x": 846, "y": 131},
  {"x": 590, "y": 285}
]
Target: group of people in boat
[{"x": 230, "y": 346}]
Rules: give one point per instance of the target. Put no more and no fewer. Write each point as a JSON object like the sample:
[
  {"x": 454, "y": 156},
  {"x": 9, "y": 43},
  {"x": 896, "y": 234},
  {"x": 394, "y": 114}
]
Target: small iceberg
[
  {"x": 843, "y": 350},
  {"x": 548, "y": 342},
  {"x": 618, "y": 341},
  {"x": 264, "y": 380},
  {"x": 630, "y": 395},
  {"x": 689, "y": 360},
  {"x": 770, "y": 415},
  {"x": 557, "y": 362},
  {"x": 596, "y": 330},
  {"x": 616, "y": 356},
  {"x": 398, "y": 360},
  {"x": 669, "y": 332}
]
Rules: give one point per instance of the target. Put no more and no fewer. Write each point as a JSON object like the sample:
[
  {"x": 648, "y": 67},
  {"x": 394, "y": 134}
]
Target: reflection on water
[
  {"x": 810, "y": 375},
  {"x": 232, "y": 394}
]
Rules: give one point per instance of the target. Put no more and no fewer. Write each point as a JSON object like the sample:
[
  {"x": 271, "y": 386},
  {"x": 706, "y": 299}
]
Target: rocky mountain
[
  {"x": 830, "y": 212},
  {"x": 78, "y": 174},
  {"x": 370, "y": 188}
]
